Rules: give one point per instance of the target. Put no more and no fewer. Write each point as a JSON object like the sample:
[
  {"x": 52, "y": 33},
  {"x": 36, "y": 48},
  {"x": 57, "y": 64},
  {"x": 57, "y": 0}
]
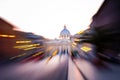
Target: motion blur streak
[
  {"x": 23, "y": 41},
  {"x": 9, "y": 36},
  {"x": 92, "y": 54},
  {"x": 86, "y": 49}
]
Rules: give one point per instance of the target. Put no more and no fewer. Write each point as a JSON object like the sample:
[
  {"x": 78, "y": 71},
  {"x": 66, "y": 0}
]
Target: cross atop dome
[{"x": 64, "y": 26}]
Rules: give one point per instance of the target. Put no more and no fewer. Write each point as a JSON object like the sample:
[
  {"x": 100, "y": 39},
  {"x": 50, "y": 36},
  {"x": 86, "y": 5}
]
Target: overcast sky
[{"x": 47, "y": 17}]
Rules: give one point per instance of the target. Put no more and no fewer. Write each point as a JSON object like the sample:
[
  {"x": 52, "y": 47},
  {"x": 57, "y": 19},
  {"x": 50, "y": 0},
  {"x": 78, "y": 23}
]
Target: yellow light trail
[
  {"x": 55, "y": 53},
  {"x": 37, "y": 54},
  {"x": 24, "y": 41},
  {"x": 86, "y": 49},
  {"x": 18, "y": 56},
  {"x": 76, "y": 39},
  {"x": 7, "y": 36}
]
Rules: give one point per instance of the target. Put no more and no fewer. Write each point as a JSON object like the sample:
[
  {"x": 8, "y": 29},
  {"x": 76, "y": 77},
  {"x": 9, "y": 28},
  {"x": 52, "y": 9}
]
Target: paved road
[
  {"x": 59, "y": 64},
  {"x": 60, "y": 68},
  {"x": 55, "y": 69}
]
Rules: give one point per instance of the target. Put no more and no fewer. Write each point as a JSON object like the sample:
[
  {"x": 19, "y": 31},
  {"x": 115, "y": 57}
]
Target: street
[{"x": 60, "y": 69}]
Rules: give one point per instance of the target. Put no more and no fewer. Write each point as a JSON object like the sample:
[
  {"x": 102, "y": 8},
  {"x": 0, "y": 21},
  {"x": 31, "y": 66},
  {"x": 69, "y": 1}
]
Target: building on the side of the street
[
  {"x": 11, "y": 40},
  {"x": 104, "y": 31}
]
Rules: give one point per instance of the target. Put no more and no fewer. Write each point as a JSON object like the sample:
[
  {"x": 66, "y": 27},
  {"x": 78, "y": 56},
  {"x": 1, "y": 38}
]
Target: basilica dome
[{"x": 65, "y": 34}]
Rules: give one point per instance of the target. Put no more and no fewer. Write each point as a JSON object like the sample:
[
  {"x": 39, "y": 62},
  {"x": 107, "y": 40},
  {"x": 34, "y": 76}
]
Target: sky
[{"x": 47, "y": 17}]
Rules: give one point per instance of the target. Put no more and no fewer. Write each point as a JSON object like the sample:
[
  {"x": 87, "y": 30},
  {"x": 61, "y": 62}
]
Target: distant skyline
[{"x": 47, "y": 17}]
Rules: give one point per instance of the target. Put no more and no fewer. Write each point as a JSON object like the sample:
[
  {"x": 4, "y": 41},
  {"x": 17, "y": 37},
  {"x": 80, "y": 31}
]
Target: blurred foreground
[{"x": 93, "y": 54}]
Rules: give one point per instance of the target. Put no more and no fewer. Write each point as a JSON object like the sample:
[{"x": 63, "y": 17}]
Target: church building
[{"x": 65, "y": 34}]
